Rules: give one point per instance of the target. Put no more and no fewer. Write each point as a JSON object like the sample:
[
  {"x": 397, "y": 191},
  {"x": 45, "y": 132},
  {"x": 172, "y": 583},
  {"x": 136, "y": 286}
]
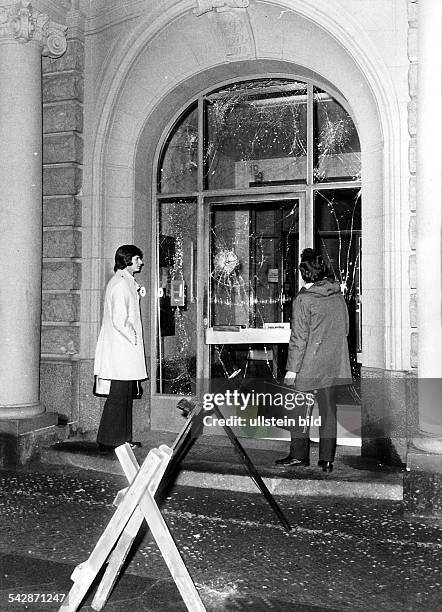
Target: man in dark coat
[{"x": 318, "y": 357}]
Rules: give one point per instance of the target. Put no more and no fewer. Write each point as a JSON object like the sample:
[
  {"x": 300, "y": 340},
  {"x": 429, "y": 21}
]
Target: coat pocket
[{"x": 316, "y": 347}]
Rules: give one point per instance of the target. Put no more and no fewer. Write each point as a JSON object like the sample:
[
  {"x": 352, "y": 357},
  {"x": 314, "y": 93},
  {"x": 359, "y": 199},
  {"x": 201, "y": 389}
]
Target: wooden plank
[
  {"x": 86, "y": 574},
  {"x": 124, "y": 544},
  {"x": 253, "y": 472},
  {"x": 166, "y": 543},
  {"x": 117, "y": 559},
  {"x": 182, "y": 445}
]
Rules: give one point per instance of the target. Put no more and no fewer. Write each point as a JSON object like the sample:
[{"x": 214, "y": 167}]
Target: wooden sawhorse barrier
[
  {"x": 134, "y": 504},
  {"x": 193, "y": 429}
]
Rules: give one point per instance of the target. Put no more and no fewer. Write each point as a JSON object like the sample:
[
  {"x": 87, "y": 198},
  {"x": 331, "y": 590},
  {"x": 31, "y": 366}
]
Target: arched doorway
[
  {"x": 249, "y": 175},
  {"x": 139, "y": 109}
]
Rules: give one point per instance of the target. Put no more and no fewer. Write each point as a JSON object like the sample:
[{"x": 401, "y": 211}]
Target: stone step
[{"x": 213, "y": 463}]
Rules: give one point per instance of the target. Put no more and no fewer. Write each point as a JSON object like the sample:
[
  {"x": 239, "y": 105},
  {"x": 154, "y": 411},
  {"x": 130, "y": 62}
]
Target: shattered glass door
[{"x": 254, "y": 254}]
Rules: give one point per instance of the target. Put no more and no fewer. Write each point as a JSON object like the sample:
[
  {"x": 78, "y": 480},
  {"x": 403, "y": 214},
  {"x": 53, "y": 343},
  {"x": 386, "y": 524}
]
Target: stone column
[
  {"x": 25, "y": 34},
  {"x": 423, "y": 480}
]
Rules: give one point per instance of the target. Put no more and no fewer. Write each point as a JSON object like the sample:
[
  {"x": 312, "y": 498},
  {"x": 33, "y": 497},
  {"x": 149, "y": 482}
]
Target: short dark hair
[
  {"x": 312, "y": 266},
  {"x": 124, "y": 254}
]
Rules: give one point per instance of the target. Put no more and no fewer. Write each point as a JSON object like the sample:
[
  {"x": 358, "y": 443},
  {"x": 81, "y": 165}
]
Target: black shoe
[
  {"x": 290, "y": 461},
  {"x": 327, "y": 466},
  {"x": 135, "y": 444}
]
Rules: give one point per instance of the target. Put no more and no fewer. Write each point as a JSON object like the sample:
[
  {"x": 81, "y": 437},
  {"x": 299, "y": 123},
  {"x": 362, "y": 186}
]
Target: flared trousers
[{"x": 116, "y": 421}]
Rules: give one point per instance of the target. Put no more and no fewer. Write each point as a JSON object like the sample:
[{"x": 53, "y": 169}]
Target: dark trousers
[
  {"x": 116, "y": 421},
  {"x": 300, "y": 439}
]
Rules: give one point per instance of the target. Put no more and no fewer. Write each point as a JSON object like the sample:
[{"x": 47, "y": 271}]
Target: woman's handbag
[{"x": 102, "y": 388}]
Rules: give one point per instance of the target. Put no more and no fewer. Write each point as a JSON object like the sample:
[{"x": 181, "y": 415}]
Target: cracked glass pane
[
  {"x": 254, "y": 253},
  {"x": 256, "y": 135},
  {"x": 338, "y": 236},
  {"x": 179, "y": 163},
  {"x": 176, "y": 360},
  {"x": 337, "y": 151}
]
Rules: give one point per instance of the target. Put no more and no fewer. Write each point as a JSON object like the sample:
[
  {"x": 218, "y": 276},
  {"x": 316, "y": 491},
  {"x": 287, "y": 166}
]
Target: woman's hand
[{"x": 290, "y": 378}]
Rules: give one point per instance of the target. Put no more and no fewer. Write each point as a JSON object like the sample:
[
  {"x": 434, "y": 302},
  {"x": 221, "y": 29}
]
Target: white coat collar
[{"x": 129, "y": 278}]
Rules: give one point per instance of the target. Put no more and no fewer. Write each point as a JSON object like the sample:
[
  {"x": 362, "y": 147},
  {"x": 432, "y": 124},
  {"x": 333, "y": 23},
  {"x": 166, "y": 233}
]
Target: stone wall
[{"x": 62, "y": 181}]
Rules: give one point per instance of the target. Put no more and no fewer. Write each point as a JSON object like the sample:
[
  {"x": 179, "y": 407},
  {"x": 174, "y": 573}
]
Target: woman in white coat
[{"x": 119, "y": 356}]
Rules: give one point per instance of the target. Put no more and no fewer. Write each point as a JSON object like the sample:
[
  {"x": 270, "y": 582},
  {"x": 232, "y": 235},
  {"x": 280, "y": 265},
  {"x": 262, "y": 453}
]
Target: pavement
[
  {"x": 341, "y": 554},
  {"x": 350, "y": 546},
  {"x": 212, "y": 462}
]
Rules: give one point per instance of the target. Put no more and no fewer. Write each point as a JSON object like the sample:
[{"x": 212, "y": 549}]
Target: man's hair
[
  {"x": 124, "y": 254},
  {"x": 312, "y": 267}
]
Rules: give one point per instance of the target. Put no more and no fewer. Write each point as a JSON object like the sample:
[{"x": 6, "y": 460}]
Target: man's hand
[{"x": 290, "y": 378}]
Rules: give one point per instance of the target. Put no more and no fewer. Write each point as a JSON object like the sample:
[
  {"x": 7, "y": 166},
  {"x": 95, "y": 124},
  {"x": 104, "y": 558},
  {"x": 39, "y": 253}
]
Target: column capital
[{"x": 22, "y": 23}]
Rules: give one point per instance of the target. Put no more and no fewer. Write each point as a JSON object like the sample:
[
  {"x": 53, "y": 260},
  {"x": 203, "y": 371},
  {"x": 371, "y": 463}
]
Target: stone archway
[{"x": 155, "y": 79}]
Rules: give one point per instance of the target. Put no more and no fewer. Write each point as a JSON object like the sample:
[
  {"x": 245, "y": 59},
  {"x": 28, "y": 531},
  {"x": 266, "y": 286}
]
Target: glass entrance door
[{"x": 253, "y": 256}]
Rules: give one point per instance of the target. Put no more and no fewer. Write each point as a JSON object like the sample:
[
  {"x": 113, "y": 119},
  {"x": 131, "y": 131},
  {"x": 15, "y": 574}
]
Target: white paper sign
[{"x": 273, "y": 275}]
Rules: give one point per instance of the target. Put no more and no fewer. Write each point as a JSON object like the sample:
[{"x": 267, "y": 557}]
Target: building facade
[{"x": 118, "y": 134}]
